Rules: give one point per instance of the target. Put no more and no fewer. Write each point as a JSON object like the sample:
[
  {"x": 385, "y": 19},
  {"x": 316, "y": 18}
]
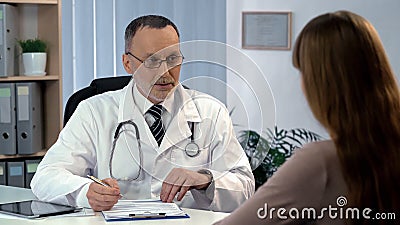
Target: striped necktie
[{"x": 157, "y": 128}]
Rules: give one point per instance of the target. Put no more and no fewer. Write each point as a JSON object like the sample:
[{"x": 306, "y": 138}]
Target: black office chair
[{"x": 97, "y": 86}]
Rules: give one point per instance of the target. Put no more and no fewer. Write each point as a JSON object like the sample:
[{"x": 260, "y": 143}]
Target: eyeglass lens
[{"x": 172, "y": 61}]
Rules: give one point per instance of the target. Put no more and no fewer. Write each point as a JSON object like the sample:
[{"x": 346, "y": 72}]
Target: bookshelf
[{"x": 42, "y": 19}]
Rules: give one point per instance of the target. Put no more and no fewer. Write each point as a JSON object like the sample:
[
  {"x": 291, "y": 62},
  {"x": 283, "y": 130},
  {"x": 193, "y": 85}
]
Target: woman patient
[{"x": 352, "y": 91}]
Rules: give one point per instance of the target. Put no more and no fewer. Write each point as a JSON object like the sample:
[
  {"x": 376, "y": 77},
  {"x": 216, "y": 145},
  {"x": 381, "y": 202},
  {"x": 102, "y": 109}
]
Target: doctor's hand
[
  {"x": 101, "y": 197},
  {"x": 182, "y": 180}
]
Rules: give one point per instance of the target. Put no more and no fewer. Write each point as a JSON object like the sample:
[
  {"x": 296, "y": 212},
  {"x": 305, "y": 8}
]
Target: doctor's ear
[{"x": 128, "y": 65}]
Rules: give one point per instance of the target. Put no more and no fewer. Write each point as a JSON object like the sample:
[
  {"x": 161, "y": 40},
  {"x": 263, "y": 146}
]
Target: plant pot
[{"x": 34, "y": 63}]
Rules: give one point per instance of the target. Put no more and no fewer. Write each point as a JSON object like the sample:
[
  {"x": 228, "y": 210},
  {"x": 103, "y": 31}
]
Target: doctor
[{"x": 151, "y": 140}]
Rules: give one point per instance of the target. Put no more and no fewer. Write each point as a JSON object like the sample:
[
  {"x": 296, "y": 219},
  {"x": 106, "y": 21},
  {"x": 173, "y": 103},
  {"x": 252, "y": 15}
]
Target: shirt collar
[
  {"x": 170, "y": 103},
  {"x": 141, "y": 102},
  {"x": 176, "y": 100},
  {"x": 144, "y": 104}
]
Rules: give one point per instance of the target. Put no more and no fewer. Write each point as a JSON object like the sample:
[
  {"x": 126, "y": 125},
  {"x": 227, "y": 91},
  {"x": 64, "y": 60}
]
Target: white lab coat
[{"x": 85, "y": 143}]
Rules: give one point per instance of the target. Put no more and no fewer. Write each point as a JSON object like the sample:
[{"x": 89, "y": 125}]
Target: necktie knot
[
  {"x": 155, "y": 111},
  {"x": 157, "y": 128}
]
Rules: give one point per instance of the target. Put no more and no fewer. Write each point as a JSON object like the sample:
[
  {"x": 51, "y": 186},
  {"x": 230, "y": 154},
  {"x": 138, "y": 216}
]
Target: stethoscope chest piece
[{"x": 192, "y": 149}]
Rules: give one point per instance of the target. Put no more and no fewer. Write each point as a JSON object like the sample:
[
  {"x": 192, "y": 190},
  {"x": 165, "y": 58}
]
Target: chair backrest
[{"x": 97, "y": 86}]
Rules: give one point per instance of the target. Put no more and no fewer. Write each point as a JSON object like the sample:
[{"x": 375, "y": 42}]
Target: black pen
[
  {"x": 97, "y": 180},
  {"x": 147, "y": 215}
]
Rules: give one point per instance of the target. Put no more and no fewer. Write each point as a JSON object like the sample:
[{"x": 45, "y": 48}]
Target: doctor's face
[{"x": 155, "y": 61}]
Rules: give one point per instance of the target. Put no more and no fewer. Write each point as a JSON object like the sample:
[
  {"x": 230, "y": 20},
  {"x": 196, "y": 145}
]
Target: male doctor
[{"x": 171, "y": 143}]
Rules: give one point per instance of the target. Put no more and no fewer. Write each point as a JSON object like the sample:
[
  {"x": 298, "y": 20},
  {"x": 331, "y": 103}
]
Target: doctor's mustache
[{"x": 164, "y": 80}]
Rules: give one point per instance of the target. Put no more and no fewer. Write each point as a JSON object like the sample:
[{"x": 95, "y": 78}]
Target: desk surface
[{"x": 9, "y": 194}]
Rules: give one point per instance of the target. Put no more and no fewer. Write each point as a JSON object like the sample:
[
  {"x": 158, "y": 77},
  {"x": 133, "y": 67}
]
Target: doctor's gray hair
[{"x": 152, "y": 21}]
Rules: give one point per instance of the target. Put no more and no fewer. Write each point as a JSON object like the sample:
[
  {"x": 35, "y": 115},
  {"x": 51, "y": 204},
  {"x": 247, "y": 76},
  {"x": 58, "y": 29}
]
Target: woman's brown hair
[{"x": 352, "y": 91}]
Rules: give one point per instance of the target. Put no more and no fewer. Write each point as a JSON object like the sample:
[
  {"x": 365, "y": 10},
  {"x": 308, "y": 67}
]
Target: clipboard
[{"x": 126, "y": 210}]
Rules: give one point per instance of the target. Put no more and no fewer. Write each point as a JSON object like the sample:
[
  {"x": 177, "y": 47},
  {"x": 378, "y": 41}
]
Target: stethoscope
[
  {"x": 117, "y": 133},
  {"x": 191, "y": 149}
]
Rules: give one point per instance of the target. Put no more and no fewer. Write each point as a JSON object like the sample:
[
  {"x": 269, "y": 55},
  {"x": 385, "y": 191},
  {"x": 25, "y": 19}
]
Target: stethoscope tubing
[
  {"x": 116, "y": 136},
  {"x": 189, "y": 152}
]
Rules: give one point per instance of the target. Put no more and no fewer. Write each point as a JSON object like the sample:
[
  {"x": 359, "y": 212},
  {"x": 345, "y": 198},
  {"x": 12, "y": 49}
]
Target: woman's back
[
  {"x": 305, "y": 189},
  {"x": 352, "y": 91}
]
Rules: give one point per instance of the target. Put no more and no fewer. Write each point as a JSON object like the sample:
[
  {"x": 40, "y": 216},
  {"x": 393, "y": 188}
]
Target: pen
[
  {"x": 147, "y": 215},
  {"x": 97, "y": 180}
]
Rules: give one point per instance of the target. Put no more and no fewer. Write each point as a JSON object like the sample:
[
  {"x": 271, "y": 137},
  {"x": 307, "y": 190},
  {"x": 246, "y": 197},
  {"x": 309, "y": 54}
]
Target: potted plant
[
  {"x": 33, "y": 56},
  {"x": 266, "y": 154}
]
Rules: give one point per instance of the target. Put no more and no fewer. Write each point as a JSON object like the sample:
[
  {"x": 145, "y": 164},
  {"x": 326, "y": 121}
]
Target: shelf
[
  {"x": 42, "y": 19},
  {"x": 37, "y": 154},
  {"x": 30, "y": 78},
  {"x": 31, "y": 1}
]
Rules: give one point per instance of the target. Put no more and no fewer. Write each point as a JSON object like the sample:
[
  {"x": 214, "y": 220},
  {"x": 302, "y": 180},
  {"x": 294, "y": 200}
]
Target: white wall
[{"x": 291, "y": 108}]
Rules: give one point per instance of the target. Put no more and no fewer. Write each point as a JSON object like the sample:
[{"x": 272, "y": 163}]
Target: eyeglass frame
[{"x": 159, "y": 60}]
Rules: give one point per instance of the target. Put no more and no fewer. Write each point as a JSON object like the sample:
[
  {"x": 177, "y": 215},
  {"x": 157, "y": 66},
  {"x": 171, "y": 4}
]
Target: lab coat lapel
[
  {"x": 129, "y": 111},
  {"x": 179, "y": 130}
]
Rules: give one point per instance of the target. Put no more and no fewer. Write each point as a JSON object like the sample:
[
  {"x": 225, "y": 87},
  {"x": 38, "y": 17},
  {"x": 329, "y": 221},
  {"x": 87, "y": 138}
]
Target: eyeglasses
[{"x": 153, "y": 63}]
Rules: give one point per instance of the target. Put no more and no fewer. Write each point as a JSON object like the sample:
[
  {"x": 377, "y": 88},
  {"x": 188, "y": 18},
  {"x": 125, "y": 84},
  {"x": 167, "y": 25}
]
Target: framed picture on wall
[{"x": 267, "y": 30}]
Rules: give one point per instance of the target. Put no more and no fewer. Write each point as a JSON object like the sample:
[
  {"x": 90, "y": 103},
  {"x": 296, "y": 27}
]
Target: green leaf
[
  {"x": 32, "y": 45},
  {"x": 267, "y": 155}
]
